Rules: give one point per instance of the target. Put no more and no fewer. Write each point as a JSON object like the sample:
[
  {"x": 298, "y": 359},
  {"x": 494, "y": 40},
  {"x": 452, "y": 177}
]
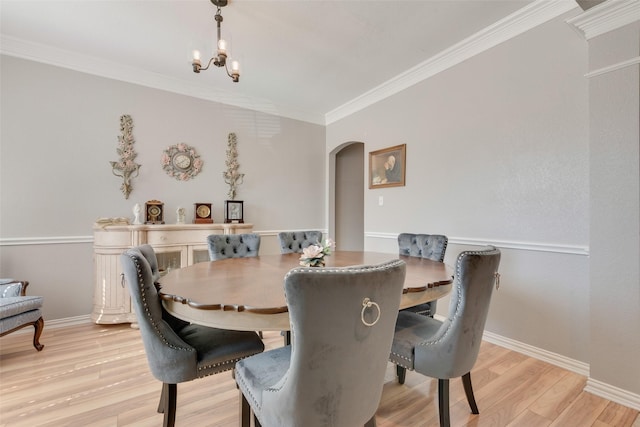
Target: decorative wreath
[{"x": 181, "y": 162}]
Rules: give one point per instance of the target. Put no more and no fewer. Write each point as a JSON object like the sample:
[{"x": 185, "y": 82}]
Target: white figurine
[
  {"x": 180, "y": 215},
  {"x": 136, "y": 212}
]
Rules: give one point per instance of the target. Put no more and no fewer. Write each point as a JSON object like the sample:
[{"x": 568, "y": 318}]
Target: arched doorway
[{"x": 346, "y": 222}]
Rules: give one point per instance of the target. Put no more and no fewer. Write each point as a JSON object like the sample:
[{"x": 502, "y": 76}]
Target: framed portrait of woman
[{"x": 387, "y": 167}]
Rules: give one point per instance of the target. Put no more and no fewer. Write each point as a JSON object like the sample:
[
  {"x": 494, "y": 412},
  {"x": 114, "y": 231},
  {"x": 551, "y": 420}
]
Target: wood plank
[{"x": 98, "y": 375}]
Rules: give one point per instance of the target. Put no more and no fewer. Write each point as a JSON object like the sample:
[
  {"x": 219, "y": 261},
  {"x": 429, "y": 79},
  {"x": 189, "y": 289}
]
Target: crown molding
[
  {"x": 605, "y": 17},
  {"x": 521, "y": 21},
  {"x": 50, "y": 55}
]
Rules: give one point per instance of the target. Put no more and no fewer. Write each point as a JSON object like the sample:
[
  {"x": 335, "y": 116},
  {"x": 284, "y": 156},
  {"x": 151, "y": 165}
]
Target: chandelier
[{"x": 220, "y": 60}]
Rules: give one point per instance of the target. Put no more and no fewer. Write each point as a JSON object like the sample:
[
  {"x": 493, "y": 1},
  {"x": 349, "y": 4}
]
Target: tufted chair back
[
  {"x": 170, "y": 359},
  {"x": 176, "y": 350},
  {"x": 431, "y": 246},
  {"x": 222, "y": 246},
  {"x": 449, "y": 349},
  {"x": 333, "y": 374},
  {"x": 296, "y": 241}
]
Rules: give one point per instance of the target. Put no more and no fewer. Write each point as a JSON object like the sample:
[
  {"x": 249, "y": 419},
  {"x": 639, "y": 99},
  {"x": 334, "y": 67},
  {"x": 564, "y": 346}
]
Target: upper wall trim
[
  {"x": 37, "y": 52},
  {"x": 530, "y": 16},
  {"x": 534, "y": 14},
  {"x": 605, "y": 17}
]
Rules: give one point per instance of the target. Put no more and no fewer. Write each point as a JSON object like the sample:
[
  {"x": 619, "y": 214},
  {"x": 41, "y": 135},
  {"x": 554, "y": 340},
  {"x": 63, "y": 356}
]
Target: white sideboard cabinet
[{"x": 176, "y": 245}]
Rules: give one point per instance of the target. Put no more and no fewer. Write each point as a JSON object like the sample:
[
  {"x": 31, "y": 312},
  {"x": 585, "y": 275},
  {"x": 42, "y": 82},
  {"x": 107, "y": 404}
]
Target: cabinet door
[
  {"x": 170, "y": 258},
  {"x": 198, "y": 253},
  {"x": 111, "y": 299}
]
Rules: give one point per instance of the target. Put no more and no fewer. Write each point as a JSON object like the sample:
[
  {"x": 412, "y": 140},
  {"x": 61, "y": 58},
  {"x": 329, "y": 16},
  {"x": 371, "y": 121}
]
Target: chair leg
[
  {"x": 39, "y": 326},
  {"x": 245, "y": 411},
  {"x": 167, "y": 404},
  {"x": 401, "y": 373},
  {"x": 163, "y": 398},
  {"x": 371, "y": 422},
  {"x": 468, "y": 390},
  {"x": 443, "y": 401}
]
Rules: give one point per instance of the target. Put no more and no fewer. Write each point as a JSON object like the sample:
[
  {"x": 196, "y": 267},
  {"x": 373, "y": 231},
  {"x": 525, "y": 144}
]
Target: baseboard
[
  {"x": 59, "y": 323},
  {"x": 556, "y": 359},
  {"x": 68, "y": 321},
  {"x": 598, "y": 388},
  {"x": 614, "y": 394}
]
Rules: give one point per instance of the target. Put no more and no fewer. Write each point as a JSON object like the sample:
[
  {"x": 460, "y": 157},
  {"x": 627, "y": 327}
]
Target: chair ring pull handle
[{"x": 366, "y": 303}]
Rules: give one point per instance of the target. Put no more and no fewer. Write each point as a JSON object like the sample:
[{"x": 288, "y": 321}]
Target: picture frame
[
  {"x": 387, "y": 167},
  {"x": 234, "y": 211}
]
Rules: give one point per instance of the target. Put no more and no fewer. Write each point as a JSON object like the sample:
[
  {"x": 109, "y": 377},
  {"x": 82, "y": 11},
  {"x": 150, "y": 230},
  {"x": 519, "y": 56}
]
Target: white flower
[{"x": 312, "y": 251}]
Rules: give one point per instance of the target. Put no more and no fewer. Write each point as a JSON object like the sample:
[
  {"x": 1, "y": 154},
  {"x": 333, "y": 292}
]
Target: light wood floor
[{"x": 90, "y": 375}]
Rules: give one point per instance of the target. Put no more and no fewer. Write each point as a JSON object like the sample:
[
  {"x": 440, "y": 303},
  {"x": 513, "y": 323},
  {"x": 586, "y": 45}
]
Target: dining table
[{"x": 248, "y": 293}]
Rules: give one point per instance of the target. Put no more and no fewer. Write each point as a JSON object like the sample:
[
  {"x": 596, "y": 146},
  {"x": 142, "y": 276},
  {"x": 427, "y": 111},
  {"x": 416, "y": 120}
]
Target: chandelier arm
[
  {"x": 208, "y": 65},
  {"x": 234, "y": 76}
]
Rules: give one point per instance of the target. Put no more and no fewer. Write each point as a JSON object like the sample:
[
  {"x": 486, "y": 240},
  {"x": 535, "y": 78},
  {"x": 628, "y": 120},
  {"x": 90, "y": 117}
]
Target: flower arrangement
[{"x": 313, "y": 255}]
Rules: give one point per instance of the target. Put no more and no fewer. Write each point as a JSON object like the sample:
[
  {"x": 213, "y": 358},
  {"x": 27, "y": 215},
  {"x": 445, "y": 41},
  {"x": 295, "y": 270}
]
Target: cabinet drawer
[
  {"x": 112, "y": 238},
  {"x": 181, "y": 237}
]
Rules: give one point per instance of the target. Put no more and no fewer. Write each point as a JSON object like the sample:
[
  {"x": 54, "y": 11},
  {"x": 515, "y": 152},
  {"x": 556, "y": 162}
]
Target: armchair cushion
[
  {"x": 10, "y": 289},
  {"x": 16, "y": 305}
]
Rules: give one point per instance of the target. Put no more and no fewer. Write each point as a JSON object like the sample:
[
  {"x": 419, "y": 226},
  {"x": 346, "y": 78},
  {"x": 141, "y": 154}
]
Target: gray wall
[
  {"x": 60, "y": 130},
  {"x": 615, "y": 209},
  {"x": 499, "y": 151}
]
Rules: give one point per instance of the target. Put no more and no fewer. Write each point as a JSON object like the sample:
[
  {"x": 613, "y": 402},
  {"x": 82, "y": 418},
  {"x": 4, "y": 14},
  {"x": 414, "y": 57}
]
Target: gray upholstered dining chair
[
  {"x": 449, "y": 349},
  {"x": 296, "y": 241},
  {"x": 342, "y": 323},
  {"x": 430, "y": 246},
  {"x": 222, "y": 246},
  {"x": 176, "y": 350}
]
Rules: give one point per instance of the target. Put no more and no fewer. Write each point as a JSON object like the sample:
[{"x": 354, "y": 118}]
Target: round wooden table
[{"x": 248, "y": 293}]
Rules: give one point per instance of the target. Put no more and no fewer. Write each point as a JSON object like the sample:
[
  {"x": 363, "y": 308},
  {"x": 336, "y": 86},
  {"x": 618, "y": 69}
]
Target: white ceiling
[{"x": 299, "y": 58}]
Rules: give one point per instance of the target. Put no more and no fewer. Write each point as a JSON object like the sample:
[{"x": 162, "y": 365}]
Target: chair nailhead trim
[
  {"x": 458, "y": 304},
  {"x": 145, "y": 304}
]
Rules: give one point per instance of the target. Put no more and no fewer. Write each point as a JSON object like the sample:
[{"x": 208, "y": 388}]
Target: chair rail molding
[
  {"x": 502, "y": 244},
  {"x": 57, "y": 240}
]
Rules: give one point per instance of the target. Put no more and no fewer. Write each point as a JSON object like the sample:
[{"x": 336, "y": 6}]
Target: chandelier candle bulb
[{"x": 222, "y": 47}]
